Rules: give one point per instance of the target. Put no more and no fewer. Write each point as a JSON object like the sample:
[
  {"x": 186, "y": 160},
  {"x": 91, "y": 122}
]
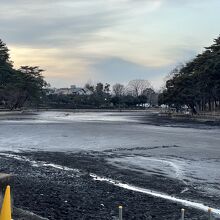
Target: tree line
[
  {"x": 102, "y": 95},
  {"x": 197, "y": 83}
]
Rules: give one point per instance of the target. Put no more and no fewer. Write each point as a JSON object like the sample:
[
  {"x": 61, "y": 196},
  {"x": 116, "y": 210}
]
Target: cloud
[
  {"x": 51, "y": 23},
  {"x": 123, "y": 71},
  {"x": 60, "y": 66},
  {"x": 76, "y": 40}
]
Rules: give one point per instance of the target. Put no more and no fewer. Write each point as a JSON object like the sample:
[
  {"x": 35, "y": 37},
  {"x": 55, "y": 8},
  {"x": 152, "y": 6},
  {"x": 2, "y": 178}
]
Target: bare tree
[
  {"x": 118, "y": 89},
  {"x": 107, "y": 88},
  {"x": 170, "y": 75},
  {"x": 89, "y": 86},
  {"x": 138, "y": 86}
]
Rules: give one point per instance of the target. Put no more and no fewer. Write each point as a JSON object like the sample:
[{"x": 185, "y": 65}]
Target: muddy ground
[
  {"x": 71, "y": 194},
  {"x": 53, "y": 154}
]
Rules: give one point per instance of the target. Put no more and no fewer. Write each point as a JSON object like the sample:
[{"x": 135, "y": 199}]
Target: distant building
[
  {"x": 62, "y": 91},
  {"x": 73, "y": 90},
  {"x": 79, "y": 91}
]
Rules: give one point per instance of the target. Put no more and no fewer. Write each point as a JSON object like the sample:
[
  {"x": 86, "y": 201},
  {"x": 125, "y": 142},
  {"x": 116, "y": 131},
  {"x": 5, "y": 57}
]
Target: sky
[{"x": 80, "y": 41}]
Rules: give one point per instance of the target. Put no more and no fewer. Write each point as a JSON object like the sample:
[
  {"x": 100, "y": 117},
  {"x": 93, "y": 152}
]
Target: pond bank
[{"x": 201, "y": 117}]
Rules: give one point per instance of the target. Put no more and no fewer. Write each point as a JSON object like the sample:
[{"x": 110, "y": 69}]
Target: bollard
[
  {"x": 182, "y": 214},
  {"x": 6, "y": 205},
  {"x": 210, "y": 213},
  {"x": 120, "y": 212}
]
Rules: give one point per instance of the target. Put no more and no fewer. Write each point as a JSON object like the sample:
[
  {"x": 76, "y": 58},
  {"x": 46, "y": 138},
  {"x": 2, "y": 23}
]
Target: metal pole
[
  {"x": 120, "y": 212},
  {"x": 210, "y": 213},
  {"x": 182, "y": 214}
]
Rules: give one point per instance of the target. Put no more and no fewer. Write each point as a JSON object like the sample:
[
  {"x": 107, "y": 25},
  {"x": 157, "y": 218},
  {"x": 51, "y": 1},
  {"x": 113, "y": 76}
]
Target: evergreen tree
[
  {"x": 196, "y": 84},
  {"x": 17, "y": 87}
]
